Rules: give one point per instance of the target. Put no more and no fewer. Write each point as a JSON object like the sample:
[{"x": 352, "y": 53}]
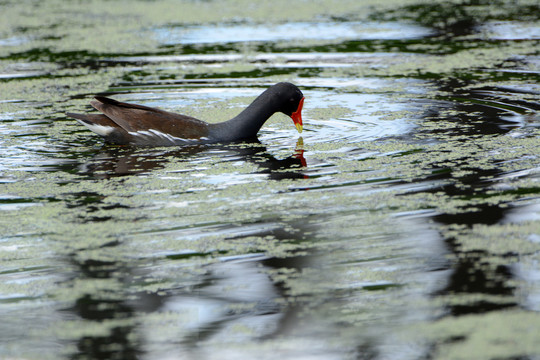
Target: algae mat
[{"x": 403, "y": 224}]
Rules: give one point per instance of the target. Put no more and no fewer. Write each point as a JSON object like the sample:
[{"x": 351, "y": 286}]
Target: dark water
[{"x": 403, "y": 224}]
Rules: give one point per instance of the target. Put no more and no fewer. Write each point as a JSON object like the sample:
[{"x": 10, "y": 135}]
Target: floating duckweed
[{"x": 408, "y": 208}]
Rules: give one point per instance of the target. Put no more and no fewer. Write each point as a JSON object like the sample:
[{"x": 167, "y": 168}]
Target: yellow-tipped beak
[{"x": 297, "y": 116}]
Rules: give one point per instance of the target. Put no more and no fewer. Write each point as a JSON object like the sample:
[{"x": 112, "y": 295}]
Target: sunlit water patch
[
  {"x": 14, "y": 41},
  {"x": 289, "y": 31},
  {"x": 508, "y": 30}
]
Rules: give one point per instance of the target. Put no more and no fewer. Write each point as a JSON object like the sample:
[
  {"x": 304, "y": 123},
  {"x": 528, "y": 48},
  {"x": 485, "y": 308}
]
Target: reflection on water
[
  {"x": 403, "y": 224},
  {"x": 119, "y": 161},
  {"x": 508, "y": 30},
  {"x": 289, "y": 31}
]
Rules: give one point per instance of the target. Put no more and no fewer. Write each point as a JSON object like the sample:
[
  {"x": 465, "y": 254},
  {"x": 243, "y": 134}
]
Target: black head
[
  {"x": 291, "y": 101},
  {"x": 289, "y": 96}
]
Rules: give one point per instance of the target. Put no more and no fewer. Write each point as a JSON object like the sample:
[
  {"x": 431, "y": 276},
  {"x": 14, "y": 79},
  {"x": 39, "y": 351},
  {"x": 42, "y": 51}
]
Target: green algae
[
  {"x": 484, "y": 337},
  {"x": 117, "y": 27},
  {"x": 357, "y": 235}
]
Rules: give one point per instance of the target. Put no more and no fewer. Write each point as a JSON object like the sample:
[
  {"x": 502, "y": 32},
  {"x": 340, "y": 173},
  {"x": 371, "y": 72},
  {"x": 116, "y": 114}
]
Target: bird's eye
[{"x": 291, "y": 99}]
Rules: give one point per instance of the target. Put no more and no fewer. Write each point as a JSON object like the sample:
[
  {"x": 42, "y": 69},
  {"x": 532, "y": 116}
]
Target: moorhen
[{"x": 123, "y": 123}]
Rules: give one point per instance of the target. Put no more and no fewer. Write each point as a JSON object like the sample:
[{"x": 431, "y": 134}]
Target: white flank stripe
[{"x": 155, "y": 135}]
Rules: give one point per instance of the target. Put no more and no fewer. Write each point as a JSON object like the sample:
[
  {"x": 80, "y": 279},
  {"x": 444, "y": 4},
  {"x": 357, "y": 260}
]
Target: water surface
[{"x": 402, "y": 224}]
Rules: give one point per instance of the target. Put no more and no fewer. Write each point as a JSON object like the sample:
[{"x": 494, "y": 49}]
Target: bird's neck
[{"x": 248, "y": 123}]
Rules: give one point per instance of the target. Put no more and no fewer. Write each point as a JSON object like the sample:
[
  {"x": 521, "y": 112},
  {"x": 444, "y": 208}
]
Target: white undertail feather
[{"x": 98, "y": 129}]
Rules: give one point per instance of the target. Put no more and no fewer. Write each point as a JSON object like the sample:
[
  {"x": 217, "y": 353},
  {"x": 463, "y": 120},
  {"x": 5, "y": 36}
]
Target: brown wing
[{"x": 142, "y": 119}]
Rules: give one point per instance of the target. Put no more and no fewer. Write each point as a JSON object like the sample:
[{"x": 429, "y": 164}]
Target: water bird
[{"x": 130, "y": 124}]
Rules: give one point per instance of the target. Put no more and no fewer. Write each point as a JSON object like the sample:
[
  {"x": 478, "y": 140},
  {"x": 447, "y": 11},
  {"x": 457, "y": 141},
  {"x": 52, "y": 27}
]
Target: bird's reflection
[{"x": 113, "y": 161}]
